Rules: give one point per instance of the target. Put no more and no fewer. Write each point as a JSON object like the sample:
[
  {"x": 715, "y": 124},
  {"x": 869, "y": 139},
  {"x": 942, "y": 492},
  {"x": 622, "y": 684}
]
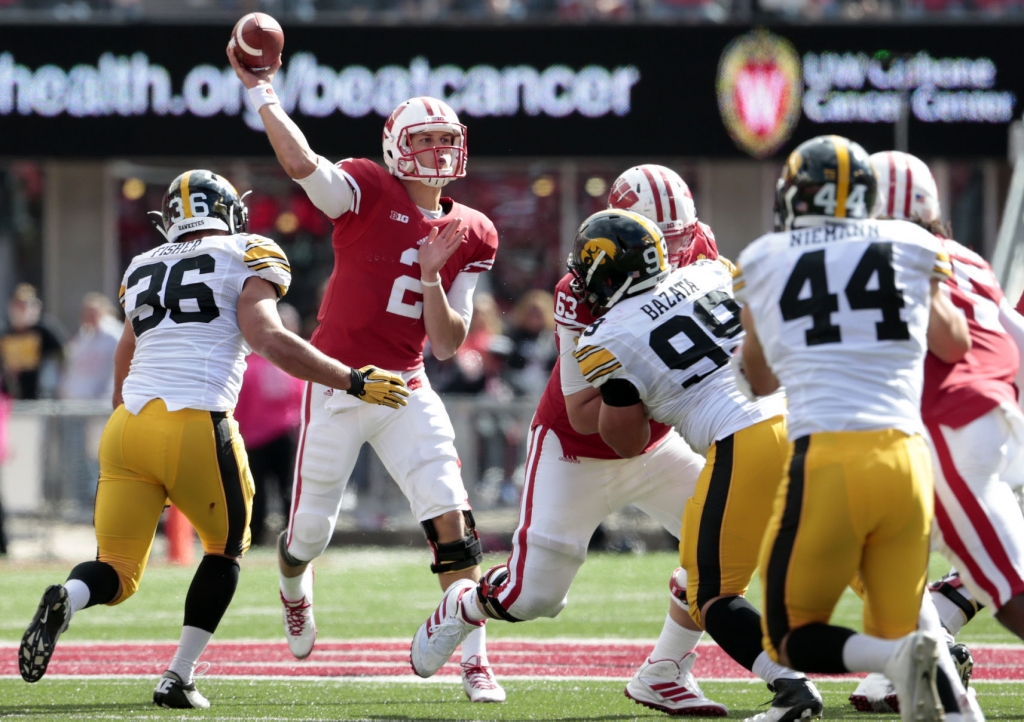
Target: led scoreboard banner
[{"x": 705, "y": 91}]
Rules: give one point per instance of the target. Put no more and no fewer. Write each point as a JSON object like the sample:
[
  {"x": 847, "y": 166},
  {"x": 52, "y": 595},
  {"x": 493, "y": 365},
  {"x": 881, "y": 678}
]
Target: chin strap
[{"x": 158, "y": 224}]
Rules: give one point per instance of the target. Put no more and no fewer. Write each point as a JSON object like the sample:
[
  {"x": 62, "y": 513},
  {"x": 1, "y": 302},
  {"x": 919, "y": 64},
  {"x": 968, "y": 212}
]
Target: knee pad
[
  {"x": 952, "y": 588},
  {"x": 487, "y": 592},
  {"x": 456, "y": 555},
  {"x": 677, "y": 589},
  {"x": 310, "y": 536},
  {"x": 282, "y": 547}
]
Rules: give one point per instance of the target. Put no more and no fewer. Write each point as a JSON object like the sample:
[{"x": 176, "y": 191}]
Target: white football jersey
[
  {"x": 182, "y": 301},
  {"x": 673, "y": 344},
  {"x": 841, "y": 308}
]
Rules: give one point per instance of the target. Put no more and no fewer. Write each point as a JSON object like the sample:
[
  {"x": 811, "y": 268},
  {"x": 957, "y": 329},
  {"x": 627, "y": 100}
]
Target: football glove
[{"x": 374, "y": 386}]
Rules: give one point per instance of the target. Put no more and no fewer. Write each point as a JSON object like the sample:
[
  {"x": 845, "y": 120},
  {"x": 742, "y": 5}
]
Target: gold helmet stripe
[
  {"x": 843, "y": 170},
  {"x": 186, "y": 205}
]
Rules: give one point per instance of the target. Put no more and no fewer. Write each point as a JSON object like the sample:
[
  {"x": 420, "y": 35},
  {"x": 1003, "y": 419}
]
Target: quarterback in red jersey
[
  {"x": 406, "y": 263},
  {"x": 971, "y": 411},
  {"x": 574, "y": 480}
]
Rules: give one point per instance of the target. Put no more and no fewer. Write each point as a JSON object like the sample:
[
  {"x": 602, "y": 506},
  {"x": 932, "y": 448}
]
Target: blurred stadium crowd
[{"x": 442, "y": 11}]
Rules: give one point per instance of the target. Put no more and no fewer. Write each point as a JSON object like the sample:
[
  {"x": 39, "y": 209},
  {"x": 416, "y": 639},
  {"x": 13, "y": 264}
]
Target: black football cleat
[
  {"x": 40, "y": 639},
  {"x": 172, "y": 693}
]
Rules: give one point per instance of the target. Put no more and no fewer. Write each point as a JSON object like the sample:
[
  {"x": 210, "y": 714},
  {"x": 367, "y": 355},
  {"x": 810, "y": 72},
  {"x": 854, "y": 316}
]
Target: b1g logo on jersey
[
  {"x": 400, "y": 217},
  {"x": 759, "y": 89}
]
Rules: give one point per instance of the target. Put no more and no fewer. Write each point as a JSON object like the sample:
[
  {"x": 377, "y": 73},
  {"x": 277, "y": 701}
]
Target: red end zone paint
[{"x": 618, "y": 659}]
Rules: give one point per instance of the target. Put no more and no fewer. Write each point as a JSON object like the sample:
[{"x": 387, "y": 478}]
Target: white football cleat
[
  {"x": 437, "y": 638},
  {"x": 299, "y": 627},
  {"x": 875, "y": 693},
  {"x": 670, "y": 687},
  {"x": 911, "y": 669},
  {"x": 479, "y": 682}
]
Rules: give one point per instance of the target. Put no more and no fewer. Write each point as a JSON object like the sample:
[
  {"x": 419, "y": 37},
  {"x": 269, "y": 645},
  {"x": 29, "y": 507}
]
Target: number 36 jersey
[
  {"x": 673, "y": 344},
  {"x": 841, "y": 309},
  {"x": 182, "y": 301}
]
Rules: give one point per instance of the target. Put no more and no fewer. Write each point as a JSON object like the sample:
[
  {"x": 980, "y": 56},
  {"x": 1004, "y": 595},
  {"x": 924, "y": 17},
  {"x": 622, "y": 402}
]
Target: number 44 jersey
[
  {"x": 673, "y": 344},
  {"x": 182, "y": 301},
  {"x": 841, "y": 308}
]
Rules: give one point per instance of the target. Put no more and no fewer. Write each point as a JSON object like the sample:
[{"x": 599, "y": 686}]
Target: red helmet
[{"x": 422, "y": 115}]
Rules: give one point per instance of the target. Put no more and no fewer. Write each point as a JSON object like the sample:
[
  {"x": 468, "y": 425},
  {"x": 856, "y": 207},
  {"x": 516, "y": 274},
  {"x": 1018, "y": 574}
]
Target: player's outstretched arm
[
  {"x": 755, "y": 366},
  {"x": 123, "y": 355},
  {"x": 289, "y": 143},
  {"x": 948, "y": 335},
  {"x": 262, "y": 329},
  {"x": 1013, "y": 322}
]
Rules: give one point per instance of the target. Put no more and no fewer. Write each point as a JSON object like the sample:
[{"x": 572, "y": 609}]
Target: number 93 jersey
[
  {"x": 182, "y": 301},
  {"x": 841, "y": 309},
  {"x": 673, "y": 344}
]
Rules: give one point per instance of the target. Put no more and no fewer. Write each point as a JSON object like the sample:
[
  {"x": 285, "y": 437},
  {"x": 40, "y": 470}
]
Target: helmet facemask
[
  {"x": 449, "y": 161},
  {"x": 434, "y": 166}
]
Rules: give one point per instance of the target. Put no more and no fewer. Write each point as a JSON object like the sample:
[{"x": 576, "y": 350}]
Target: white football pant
[
  {"x": 979, "y": 525},
  {"x": 565, "y": 498},
  {"x": 414, "y": 442}
]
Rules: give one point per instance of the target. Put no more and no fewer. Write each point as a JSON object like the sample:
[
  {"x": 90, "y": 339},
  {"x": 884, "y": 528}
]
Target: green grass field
[{"x": 386, "y": 594}]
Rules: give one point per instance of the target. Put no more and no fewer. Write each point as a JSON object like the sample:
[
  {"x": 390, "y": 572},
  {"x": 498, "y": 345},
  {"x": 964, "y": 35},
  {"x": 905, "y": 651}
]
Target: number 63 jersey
[
  {"x": 673, "y": 344},
  {"x": 841, "y": 309},
  {"x": 182, "y": 301}
]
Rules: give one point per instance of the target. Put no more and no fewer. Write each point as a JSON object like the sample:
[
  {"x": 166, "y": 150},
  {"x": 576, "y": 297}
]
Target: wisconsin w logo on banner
[{"x": 759, "y": 87}]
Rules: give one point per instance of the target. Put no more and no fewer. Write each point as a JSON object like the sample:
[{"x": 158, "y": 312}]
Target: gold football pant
[
  {"x": 195, "y": 459},
  {"x": 726, "y": 517},
  {"x": 852, "y": 501}
]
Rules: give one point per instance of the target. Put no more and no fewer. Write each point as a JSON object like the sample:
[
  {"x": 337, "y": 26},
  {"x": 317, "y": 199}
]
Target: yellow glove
[{"x": 374, "y": 386}]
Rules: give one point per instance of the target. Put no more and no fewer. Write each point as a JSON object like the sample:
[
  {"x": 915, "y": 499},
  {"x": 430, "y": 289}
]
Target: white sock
[
  {"x": 470, "y": 609},
  {"x": 78, "y": 594},
  {"x": 949, "y": 614},
  {"x": 295, "y": 588},
  {"x": 192, "y": 645},
  {"x": 770, "y": 671},
  {"x": 928, "y": 621},
  {"x": 475, "y": 645},
  {"x": 675, "y": 641},
  {"x": 862, "y": 653}
]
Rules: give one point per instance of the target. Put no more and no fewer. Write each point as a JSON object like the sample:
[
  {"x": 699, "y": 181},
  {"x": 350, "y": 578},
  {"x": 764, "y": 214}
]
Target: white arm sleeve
[
  {"x": 328, "y": 188},
  {"x": 569, "y": 369},
  {"x": 1013, "y": 322},
  {"x": 460, "y": 295}
]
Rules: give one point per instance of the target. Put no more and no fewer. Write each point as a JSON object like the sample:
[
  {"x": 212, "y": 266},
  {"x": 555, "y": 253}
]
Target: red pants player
[
  {"x": 972, "y": 413},
  {"x": 407, "y": 261}
]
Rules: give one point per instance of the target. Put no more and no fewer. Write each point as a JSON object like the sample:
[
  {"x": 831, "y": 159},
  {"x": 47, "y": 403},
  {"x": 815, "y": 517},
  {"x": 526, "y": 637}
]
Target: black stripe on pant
[
  {"x": 709, "y": 536},
  {"x": 782, "y": 548},
  {"x": 231, "y": 480}
]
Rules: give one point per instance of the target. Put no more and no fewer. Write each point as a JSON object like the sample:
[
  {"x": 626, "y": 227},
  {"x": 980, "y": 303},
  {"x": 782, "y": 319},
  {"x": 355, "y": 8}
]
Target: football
[{"x": 257, "y": 41}]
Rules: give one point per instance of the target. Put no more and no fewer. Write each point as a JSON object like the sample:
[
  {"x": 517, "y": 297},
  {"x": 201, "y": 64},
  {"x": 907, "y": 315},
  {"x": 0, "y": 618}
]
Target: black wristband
[
  {"x": 356, "y": 383},
  {"x": 619, "y": 392}
]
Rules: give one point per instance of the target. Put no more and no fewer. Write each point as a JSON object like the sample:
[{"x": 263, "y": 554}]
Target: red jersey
[
  {"x": 1020, "y": 304},
  {"x": 551, "y": 411},
  {"x": 372, "y": 312},
  {"x": 957, "y": 394}
]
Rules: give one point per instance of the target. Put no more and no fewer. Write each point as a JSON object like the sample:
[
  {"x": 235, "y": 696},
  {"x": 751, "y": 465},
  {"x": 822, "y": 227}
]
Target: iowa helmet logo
[{"x": 592, "y": 251}]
